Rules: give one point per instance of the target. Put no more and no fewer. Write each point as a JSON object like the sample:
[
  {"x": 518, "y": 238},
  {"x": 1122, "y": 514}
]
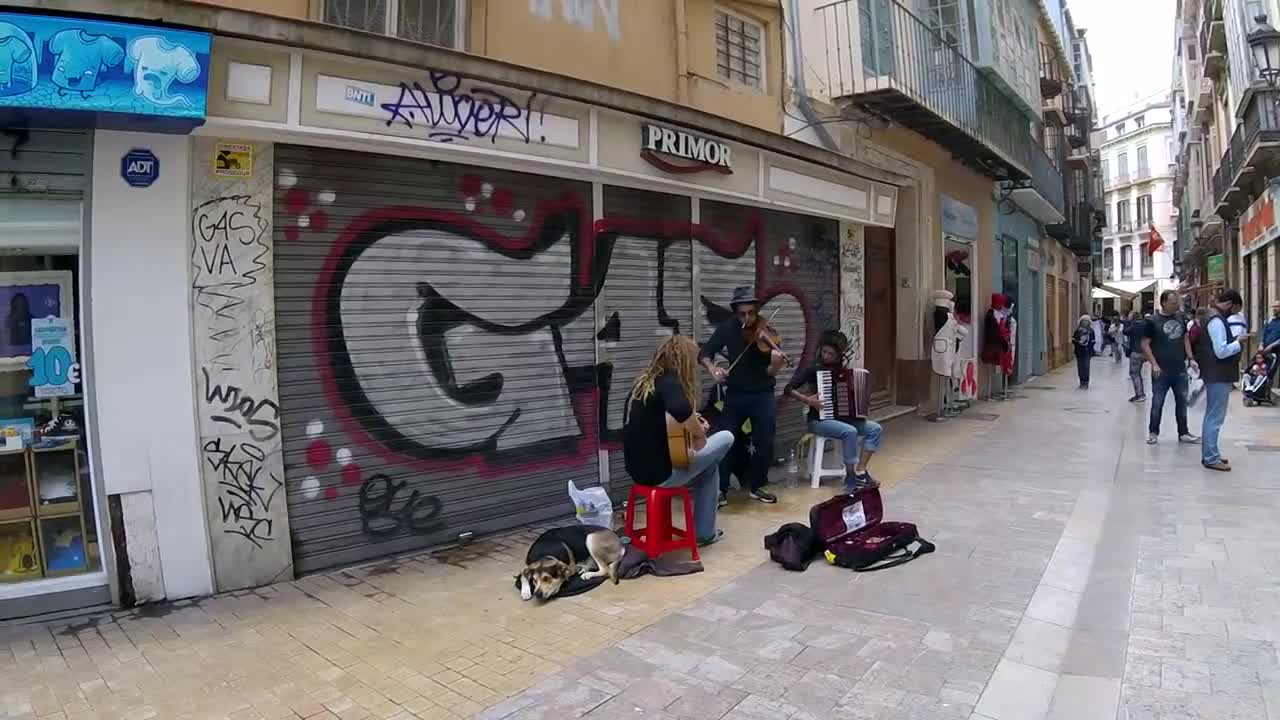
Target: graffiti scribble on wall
[
  {"x": 582, "y": 13},
  {"x": 451, "y": 112},
  {"x": 245, "y": 489}
]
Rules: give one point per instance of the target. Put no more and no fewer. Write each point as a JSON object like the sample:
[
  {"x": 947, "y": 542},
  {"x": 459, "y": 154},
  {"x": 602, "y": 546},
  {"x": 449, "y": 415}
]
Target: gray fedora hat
[{"x": 743, "y": 295}]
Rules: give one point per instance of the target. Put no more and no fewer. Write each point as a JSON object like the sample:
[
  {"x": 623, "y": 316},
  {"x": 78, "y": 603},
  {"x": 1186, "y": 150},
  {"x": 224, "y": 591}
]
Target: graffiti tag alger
[
  {"x": 245, "y": 489},
  {"x": 237, "y": 408},
  {"x": 451, "y": 112}
]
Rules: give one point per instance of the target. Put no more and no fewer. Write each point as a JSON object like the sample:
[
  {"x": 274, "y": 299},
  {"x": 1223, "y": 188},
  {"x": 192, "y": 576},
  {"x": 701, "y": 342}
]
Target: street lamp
[
  {"x": 1264, "y": 43},
  {"x": 1196, "y": 224}
]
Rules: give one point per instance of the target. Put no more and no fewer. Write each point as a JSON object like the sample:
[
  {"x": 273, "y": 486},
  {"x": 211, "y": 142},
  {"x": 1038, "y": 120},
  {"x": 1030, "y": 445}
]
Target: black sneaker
[
  {"x": 712, "y": 540},
  {"x": 764, "y": 496},
  {"x": 722, "y": 500},
  {"x": 1135, "y": 398},
  {"x": 62, "y": 426}
]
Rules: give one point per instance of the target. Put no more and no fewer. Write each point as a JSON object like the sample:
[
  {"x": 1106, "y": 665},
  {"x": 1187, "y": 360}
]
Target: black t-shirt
[
  {"x": 1082, "y": 338},
  {"x": 1167, "y": 333},
  {"x": 751, "y": 373},
  {"x": 644, "y": 439},
  {"x": 1134, "y": 331}
]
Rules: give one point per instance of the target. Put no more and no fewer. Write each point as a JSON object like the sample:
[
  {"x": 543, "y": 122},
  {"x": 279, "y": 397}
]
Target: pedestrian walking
[
  {"x": 1083, "y": 341},
  {"x": 1167, "y": 347},
  {"x": 1133, "y": 334},
  {"x": 1219, "y": 357},
  {"x": 1116, "y": 331}
]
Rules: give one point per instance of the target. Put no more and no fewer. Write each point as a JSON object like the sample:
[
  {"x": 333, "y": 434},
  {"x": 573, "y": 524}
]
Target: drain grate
[
  {"x": 1039, "y": 387},
  {"x": 1263, "y": 448}
]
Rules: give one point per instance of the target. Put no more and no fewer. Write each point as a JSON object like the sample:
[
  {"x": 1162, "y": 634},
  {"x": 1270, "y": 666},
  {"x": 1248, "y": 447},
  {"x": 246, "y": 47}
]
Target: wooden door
[
  {"x": 880, "y": 314},
  {"x": 1066, "y": 322}
]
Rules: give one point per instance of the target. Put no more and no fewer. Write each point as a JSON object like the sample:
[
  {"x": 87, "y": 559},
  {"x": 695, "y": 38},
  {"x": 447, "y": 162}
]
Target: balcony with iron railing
[
  {"x": 1251, "y": 157},
  {"x": 902, "y": 69},
  {"x": 1119, "y": 180},
  {"x": 1044, "y": 196},
  {"x": 1051, "y": 76}
]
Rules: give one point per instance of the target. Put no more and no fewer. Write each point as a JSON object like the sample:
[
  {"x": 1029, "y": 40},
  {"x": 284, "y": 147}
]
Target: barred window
[
  {"x": 739, "y": 50},
  {"x": 426, "y": 21}
]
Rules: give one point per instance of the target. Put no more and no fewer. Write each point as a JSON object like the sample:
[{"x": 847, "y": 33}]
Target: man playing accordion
[{"x": 844, "y": 424}]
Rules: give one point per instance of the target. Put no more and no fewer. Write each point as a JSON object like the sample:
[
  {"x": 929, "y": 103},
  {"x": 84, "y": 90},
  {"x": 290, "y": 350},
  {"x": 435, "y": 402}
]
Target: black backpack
[{"x": 793, "y": 546}]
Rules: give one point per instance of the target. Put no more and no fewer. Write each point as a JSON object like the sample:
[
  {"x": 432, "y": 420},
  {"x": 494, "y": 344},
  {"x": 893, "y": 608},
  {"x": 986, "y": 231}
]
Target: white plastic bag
[{"x": 592, "y": 506}]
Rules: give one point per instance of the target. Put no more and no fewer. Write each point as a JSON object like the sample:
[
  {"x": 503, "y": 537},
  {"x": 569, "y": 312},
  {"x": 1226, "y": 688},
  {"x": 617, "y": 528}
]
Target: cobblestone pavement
[{"x": 1079, "y": 574}]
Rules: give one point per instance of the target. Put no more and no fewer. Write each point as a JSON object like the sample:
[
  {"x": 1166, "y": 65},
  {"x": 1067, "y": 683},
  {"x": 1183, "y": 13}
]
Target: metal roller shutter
[
  {"x": 792, "y": 262},
  {"x": 647, "y": 295},
  {"x": 56, "y": 162},
  {"x": 436, "y": 350}
]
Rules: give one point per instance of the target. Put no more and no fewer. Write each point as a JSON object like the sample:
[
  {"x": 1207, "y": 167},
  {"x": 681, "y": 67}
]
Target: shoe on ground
[
  {"x": 1220, "y": 466},
  {"x": 712, "y": 540},
  {"x": 764, "y": 496},
  {"x": 1188, "y": 439},
  {"x": 1135, "y": 398},
  {"x": 722, "y": 500},
  {"x": 860, "y": 481},
  {"x": 1152, "y": 439}
]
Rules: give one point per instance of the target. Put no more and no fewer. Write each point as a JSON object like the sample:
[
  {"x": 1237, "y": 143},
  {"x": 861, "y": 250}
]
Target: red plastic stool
[{"x": 659, "y": 536}]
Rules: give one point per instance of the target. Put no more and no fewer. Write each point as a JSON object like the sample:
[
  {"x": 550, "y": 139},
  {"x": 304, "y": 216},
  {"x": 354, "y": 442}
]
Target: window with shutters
[
  {"x": 1109, "y": 263},
  {"x": 1148, "y": 263},
  {"x": 1144, "y": 211},
  {"x": 435, "y": 22},
  {"x": 1123, "y": 220},
  {"x": 1126, "y": 262},
  {"x": 740, "y": 50}
]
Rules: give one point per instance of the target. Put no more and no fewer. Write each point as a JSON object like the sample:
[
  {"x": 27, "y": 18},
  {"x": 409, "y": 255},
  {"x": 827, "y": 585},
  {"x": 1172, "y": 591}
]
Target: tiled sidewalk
[{"x": 1079, "y": 574}]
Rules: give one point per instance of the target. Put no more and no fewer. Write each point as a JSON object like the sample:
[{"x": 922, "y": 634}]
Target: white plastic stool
[{"x": 816, "y": 470}]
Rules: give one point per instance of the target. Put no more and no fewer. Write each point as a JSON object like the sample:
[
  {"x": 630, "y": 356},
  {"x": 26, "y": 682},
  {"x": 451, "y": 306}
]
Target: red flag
[{"x": 1156, "y": 243}]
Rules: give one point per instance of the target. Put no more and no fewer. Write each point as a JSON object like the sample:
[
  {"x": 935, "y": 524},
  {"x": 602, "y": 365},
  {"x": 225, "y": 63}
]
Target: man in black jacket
[
  {"x": 750, "y": 383},
  {"x": 1134, "y": 331}
]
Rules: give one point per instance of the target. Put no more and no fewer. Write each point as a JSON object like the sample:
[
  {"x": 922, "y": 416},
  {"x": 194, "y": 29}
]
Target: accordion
[{"x": 843, "y": 393}]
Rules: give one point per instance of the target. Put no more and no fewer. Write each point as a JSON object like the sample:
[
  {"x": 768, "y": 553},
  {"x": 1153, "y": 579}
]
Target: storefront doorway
[
  {"x": 50, "y": 540},
  {"x": 880, "y": 314}
]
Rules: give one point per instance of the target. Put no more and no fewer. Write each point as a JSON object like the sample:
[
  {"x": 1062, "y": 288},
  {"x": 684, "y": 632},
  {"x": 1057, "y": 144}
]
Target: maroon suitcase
[{"x": 854, "y": 534}]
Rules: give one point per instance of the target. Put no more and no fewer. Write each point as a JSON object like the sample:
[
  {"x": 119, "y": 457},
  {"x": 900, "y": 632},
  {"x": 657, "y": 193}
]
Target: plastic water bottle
[{"x": 793, "y": 470}]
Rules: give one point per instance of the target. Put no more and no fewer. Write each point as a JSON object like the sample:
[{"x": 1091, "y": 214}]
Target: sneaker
[
  {"x": 712, "y": 540},
  {"x": 722, "y": 500},
  {"x": 1220, "y": 466},
  {"x": 764, "y": 496},
  {"x": 1135, "y": 398},
  {"x": 1142, "y": 397},
  {"x": 863, "y": 481},
  {"x": 1188, "y": 439},
  {"x": 1152, "y": 439}
]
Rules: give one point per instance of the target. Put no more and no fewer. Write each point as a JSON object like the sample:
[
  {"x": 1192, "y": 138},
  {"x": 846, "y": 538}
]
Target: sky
[{"x": 1132, "y": 46}]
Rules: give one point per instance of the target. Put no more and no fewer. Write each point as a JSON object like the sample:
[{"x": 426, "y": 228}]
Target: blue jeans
[
  {"x": 759, "y": 408},
  {"x": 703, "y": 479},
  {"x": 847, "y": 431},
  {"x": 1217, "y": 395},
  {"x": 1160, "y": 386}
]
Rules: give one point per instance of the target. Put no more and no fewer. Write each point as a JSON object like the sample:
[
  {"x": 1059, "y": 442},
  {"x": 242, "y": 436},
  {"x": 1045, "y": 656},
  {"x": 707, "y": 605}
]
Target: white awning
[
  {"x": 1100, "y": 294},
  {"x": 1128, "y": 288}
]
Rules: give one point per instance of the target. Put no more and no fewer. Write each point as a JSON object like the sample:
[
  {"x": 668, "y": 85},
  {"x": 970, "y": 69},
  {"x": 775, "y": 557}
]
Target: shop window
[
  {"x": 436, "y": 22},
  {"x": 739, "y": 50},
  {"x": 47, "y": 516}
]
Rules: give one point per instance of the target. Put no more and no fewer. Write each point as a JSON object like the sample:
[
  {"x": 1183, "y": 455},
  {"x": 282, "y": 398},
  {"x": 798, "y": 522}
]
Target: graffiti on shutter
[{"x": 416, "y": 311}]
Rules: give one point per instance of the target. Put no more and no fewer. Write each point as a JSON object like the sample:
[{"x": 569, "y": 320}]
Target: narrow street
[{"x": 1080, "y": 574}]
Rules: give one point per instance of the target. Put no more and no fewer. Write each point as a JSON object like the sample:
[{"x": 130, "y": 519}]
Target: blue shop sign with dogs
[{"x": 68, "y": 63}]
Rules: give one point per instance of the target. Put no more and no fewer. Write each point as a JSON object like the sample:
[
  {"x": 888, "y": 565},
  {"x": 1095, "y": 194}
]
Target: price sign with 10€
[{"x": 54, "y": 370}]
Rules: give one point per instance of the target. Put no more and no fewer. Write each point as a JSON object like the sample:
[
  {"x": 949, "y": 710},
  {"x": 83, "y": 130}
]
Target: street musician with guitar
[
  {"x": 838, "y": 407},
  {"x": 664, "y": 442}
]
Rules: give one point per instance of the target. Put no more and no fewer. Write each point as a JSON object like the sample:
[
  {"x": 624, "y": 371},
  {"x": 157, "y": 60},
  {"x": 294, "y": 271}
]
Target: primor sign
[{"x": 677, "y": 151}]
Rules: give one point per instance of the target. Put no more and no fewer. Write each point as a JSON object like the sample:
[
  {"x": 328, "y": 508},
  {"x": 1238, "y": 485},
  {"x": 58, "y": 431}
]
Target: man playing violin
[
  {"x": 749, "y": 382},
  {"x": 669, "y": 386}
]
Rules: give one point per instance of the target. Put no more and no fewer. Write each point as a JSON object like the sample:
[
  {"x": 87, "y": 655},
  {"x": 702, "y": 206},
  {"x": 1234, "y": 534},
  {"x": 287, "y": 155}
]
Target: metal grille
[
  {"x": 436, "y": 350},
  {"x": 738, "y": 49},
  {"x": 53, "y": 162},
  {"x": 647, "y": 295}
]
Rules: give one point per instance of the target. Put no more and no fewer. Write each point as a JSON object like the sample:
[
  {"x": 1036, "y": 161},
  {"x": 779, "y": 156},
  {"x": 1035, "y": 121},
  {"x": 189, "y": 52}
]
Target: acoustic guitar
[{"x": 681, "y": 443}]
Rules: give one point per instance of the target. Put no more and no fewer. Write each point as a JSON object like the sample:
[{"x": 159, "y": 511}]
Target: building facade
[
  {"x": 391, "y": 294},
  {"x": 1012, "y": 152},
  {"x": 1138, "y": 175},
  {"x": 1227, "y": 160}
]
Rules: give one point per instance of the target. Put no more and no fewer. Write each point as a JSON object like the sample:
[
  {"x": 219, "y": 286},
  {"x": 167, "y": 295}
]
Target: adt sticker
[
  {"x": 54, "y": 370},
  {"x": 140, "y": 167}
]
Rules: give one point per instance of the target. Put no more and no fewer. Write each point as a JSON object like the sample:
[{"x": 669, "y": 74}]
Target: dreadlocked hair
[{"x": 678, "y": 356}]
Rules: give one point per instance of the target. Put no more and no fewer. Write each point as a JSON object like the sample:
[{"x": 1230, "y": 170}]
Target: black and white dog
[{"x": 560, "y": 553}]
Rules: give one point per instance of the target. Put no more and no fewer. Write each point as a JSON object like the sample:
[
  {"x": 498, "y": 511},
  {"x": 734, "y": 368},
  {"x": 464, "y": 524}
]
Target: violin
[{"x": 765, "y": 337}]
